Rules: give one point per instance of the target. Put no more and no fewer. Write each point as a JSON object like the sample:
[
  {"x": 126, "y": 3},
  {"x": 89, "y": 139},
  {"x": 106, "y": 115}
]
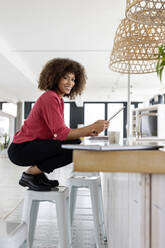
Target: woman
[{"x": 38, "y": 143}]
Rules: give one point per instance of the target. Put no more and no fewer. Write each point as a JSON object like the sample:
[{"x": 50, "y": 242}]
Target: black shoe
[
  {"x": 45, "y": 179},
  {"x": 33, "y": 182}
]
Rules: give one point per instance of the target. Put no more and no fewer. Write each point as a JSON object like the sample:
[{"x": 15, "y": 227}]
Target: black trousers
[{"x": 46, "y": 154}]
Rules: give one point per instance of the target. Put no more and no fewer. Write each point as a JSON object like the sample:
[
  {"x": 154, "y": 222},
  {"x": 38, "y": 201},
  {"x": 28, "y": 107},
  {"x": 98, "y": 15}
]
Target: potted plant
[{"x": 4, "y": 142}]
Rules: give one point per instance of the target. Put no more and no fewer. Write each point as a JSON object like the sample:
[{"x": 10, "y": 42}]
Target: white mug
[{"x": 114, "y": 137}]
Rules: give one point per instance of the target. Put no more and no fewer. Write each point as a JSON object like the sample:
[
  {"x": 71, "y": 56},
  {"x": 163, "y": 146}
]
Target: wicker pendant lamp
[
  {"x": 150, "y": 12},
  {"x": 135, "y": 47},
  {"x": 134, "y": 52}
]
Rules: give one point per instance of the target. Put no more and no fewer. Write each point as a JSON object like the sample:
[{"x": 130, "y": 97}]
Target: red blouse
[{"x": 45, "y": 121}]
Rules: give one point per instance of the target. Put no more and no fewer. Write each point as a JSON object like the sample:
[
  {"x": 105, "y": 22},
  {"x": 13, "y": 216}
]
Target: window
[
  {"x": 4, "y": 125},
  {"x": 10, "y": 108},
  {"x": 94, "y": 112},
  {"x": 67, "y": 114},
  {"x": 7, "y": 121},
  {"x": 116, "y": 123}
]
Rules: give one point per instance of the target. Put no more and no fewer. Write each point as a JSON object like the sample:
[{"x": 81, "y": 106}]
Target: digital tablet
[{"x": 116, "y": 113}]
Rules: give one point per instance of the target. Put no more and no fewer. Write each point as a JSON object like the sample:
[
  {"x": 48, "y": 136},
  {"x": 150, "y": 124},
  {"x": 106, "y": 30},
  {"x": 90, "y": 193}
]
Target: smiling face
[{"x": 66, "y": 83}]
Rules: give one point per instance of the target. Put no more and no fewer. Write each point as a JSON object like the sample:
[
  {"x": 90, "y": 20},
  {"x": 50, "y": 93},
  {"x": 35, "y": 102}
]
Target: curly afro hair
[{"x": 59, "y": 67}]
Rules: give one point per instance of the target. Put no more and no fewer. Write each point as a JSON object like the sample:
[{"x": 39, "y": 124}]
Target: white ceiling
[{"x": 34, "y": 31}]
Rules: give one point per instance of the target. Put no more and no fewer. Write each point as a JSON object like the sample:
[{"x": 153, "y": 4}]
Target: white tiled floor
[{"x": 46, "y": 235}]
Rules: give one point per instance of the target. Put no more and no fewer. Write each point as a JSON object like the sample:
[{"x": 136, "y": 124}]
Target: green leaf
[
  {"x": 161, "y": 71},
  {"x": 160, "y": 61},
  {"x": 157, "y": 66}
]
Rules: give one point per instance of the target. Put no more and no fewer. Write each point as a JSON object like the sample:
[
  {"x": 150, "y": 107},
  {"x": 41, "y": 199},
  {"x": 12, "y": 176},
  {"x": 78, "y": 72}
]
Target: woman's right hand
[
  {"x": 91, "y": 130},
  {"x": 99, "y": 126}
]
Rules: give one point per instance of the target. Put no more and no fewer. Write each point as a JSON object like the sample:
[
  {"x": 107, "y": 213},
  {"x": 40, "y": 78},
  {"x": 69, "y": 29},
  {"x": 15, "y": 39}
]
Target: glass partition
[
  {"x": 94, "y": 112},
  {"x": 67, "y": 114},
  {"x": 116, "y": 123}
]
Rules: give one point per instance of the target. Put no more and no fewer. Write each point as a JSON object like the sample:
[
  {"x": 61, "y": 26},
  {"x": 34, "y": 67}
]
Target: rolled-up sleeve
[{"x": 53, "y": 115}]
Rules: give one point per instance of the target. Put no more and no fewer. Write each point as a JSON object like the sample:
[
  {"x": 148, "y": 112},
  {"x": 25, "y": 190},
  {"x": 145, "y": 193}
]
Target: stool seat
[
  {"x": 47, "y": 195},
  {"x": 93, "y": 183},
  {"x": 59, "y": 196},
  {"x": 83, "y": 181}
]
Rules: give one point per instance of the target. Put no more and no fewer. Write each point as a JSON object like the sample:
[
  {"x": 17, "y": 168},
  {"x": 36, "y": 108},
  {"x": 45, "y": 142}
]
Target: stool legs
[
  {"x": 101, "y": 214},
  {"x": 72, "y": 202},
  {"x": 96, "y": 215},
  {"x": 30, "y": 213},
  {"x": 94, "y": 185},
  {"x": 63, "y": 220}
]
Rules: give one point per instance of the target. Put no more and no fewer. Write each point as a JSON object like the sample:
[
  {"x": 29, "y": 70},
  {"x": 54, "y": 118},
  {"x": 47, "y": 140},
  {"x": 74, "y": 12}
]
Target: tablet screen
[{"x": 116, "y": 113}]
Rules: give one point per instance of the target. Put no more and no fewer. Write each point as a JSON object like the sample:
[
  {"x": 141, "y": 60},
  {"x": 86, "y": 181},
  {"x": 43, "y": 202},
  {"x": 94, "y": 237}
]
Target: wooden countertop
[
  {"x": 141, "y": 161},
  {"x": 102, "y": 158}
]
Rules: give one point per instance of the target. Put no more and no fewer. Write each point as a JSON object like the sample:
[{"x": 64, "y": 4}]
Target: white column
[
  {"x": 20, "y": 113},
  {"x": 128, "y": 106}
]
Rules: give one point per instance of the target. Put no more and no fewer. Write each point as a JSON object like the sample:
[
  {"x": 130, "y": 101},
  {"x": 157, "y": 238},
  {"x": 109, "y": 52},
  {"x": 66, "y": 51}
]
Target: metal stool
[
  {"x": 59, "y": 196},
  {"x": 94, "y": 185}
]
